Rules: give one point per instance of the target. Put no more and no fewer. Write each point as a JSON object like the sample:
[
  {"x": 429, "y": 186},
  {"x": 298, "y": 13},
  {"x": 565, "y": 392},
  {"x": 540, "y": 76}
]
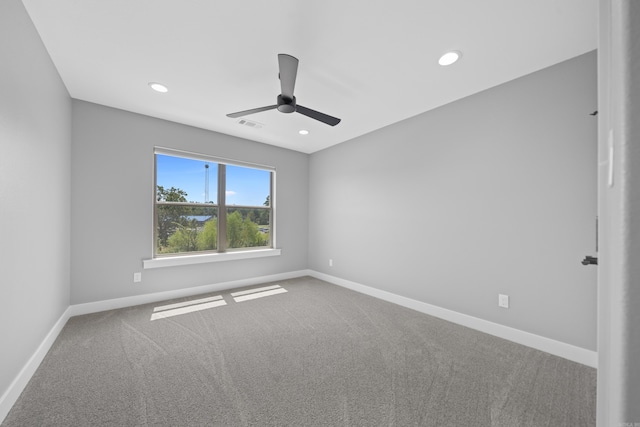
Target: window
[{"x": 209, "y": 205}]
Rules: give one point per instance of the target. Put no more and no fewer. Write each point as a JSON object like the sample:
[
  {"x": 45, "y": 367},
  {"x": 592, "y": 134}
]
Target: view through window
[{"x": 206, "y": 204}]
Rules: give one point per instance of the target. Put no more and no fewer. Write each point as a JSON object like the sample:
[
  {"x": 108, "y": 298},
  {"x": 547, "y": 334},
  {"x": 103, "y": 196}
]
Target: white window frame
[{"x": 187, "y": 258}]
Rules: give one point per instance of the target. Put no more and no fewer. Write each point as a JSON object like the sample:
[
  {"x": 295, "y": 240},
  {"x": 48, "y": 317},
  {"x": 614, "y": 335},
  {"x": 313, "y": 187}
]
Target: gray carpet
[{"x": 316, "y": 355}]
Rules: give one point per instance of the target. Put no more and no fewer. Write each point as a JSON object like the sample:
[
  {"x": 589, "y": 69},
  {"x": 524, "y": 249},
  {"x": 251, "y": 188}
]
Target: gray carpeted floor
[{"x": 316, "y": 355}]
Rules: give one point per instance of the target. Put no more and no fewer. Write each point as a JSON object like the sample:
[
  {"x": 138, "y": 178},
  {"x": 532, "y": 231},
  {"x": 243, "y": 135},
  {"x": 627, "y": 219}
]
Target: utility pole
[{"x": 206, "y": 182}]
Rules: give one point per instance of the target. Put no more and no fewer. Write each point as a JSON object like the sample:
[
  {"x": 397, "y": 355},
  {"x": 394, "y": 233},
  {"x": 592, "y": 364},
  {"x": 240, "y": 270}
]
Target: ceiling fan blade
[
  {"x": 253, "y": 111},
  {"x": 288, "y": 71},
  {"x": 324, "y": 118}
]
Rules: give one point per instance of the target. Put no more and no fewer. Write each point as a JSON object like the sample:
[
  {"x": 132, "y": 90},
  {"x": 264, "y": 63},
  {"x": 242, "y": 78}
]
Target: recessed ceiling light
[
  {"x": 158, "y": 87},
  {"x": 303, "y": 132},
  {"x": 449, "y": 58}
]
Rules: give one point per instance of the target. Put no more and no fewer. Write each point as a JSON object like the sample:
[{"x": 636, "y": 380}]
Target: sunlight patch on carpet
[
  {"x": 188, "y": 309},
  {"x": 257, "y": 293},
  {"x": 186, "y": 303}
]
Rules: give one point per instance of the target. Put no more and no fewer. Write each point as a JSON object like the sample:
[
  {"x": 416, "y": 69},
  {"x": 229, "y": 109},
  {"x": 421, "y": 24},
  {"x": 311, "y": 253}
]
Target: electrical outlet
[
  {"x": 137, "y": 277},
  {"x": 330, "y": 263},
  {"x": 503, "y": 300}
]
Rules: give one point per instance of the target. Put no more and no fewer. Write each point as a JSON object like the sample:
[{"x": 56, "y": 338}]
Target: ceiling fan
[{"x": 286, "y": 102}]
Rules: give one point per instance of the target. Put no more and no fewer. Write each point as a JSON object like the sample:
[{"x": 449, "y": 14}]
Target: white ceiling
[{"x": 370, "y": 63}]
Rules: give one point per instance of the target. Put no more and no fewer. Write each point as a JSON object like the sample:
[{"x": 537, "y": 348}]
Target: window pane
[
  {"x": 191, "y": 180},
  {"x": 186, "y": 228},
  {"x": 247, "y": 228},
  {"x": 247, "y": 187}
]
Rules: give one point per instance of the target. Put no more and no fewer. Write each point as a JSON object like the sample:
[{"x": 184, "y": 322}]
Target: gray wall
[
  {"x": 35, "y": 142},
  {"x": 112, "y": 204},
  {"x": 495, "y": 193},
  {"x": 619, "y": 210}
]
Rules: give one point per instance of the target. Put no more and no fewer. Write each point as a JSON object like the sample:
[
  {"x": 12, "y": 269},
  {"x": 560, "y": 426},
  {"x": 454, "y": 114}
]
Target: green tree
[
  {"x": 208, "y": 237},
  {"x": 263, "y": 216},
  {"x": 244, "y": 233},
  {"x": 184, "y": 239},
  {"x": 234, "y": 230},
  {"x": 171, "y": 195},
  {"x": 252, "y": 235},
  {"x": 169, "y": 217}
]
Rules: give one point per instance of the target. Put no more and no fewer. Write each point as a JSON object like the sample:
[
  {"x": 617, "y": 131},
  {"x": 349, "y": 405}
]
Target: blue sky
[{"x": 245, "y": 186}]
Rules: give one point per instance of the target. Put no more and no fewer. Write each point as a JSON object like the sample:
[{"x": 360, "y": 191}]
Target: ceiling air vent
[{"x": 251, "y": 124}]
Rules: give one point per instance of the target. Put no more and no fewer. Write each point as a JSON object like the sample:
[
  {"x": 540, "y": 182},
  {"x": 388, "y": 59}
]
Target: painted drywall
[
  {"x": 35, "y": 144},
  {"x": 619, "y": 212},
  {"x": 112, "y": 204},
  {"x": 495, "y": 193}
]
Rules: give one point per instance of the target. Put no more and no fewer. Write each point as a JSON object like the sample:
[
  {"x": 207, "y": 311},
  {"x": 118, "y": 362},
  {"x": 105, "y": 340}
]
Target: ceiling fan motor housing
[
  {"x": 286, "y": 101},
  {"x": 286, "y": 104}
]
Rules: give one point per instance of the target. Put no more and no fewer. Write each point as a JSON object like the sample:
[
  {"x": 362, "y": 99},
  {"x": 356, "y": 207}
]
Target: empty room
[{"x": 409, "y": 213}]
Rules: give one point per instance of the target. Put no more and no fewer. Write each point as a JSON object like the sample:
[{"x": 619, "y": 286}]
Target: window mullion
[
  {"x": 155, "y": 205},
  {"x": 222, "y": 208},
  {"x": 271, "y": 221}
]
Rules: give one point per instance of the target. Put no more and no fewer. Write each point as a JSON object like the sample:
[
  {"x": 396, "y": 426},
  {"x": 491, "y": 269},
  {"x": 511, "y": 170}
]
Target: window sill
[{"x": 205, "y": 258}]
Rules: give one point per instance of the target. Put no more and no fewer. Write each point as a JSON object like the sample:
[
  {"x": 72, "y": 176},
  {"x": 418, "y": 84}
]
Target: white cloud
[{"x": 230, "y": 193}]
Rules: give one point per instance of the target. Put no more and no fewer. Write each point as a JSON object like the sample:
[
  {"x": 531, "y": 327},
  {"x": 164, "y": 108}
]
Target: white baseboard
[
  {"x": 567, "y": 351},
  {"x": 557, "y": 348},
  {"x": 12, "y": 394},
  {"x": 112, "y": 304},
  {"x": 22, "y": 379}
]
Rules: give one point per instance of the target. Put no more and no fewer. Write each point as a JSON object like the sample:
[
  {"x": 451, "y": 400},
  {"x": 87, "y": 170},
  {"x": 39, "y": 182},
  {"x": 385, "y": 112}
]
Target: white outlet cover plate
[{"x": 503, "y": 300}]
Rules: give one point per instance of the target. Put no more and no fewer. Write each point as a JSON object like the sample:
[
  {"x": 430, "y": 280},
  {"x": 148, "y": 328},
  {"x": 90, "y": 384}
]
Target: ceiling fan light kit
[{"x": 286, "y": 102}]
